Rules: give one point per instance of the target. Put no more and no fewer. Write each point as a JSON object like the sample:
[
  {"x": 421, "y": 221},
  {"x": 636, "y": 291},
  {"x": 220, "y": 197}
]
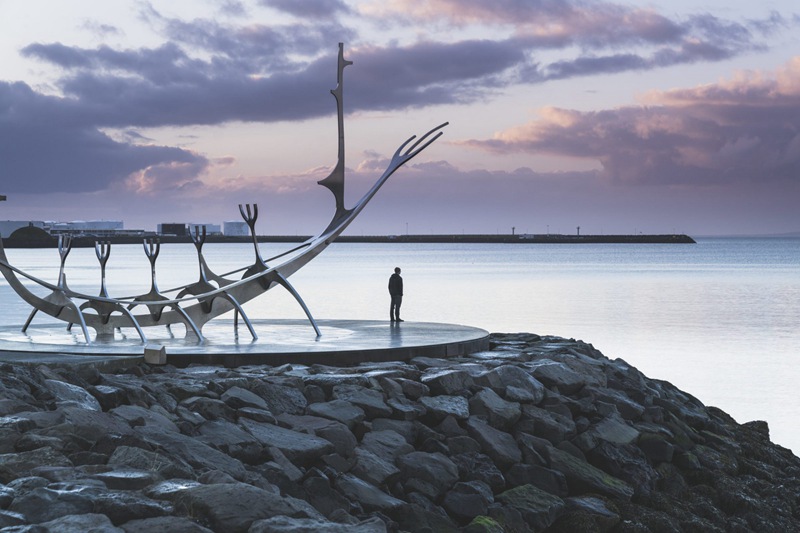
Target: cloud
[
  {"x": 46, "y": 146},
  {"x": 743, "y": 130},
  {"x": 310, "y": 9}
]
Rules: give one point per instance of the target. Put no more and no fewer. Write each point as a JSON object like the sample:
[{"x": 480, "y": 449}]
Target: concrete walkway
[{"x": 343, "y": 342}]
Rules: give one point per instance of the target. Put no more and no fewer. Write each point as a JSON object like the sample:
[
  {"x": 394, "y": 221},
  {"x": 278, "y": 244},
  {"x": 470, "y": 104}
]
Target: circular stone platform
[{"x": 343, "y": 342}]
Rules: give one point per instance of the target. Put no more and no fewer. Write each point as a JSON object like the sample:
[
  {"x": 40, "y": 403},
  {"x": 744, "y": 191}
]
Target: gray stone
[
  {"x": 541, "y": 477},
  {"x": 191, "y": 451},
  {"x": 603, "y": 517},
  {"x": 209, "y": 408},
  {"x": 234, "y": 507},
  {"x": 127, "y": 478},
  {"x": 386, "y": 444},
  {"x": 10, "y": 519},
  {"x": 369, "y": 496},
  {"x": 546, "y": 424},
  {"x": 479, "y": 467},
  {"x": 69, "y": 394},
  {"x": 500, "y": 413},
  {"x": 230, "y": 439},
  {"x": 439, "y": 407},
  {"x": 498, "y": 445},
  {"x": 298, "y": 447},
  {"x": 433, "y": 468},
  {"x": 237, "y": 398},
  {"x": 538, "y": 508},
  {"x": 89, "y": 425},
  {"x": 555, "y": 374},
  {"x": 370, "y": 400},
  {"x": 338, "y": 410},
  {"x": 83, "y": 523},
  {"x": 140, "y": 416},
  {"x": 44, "y": 504},
  {"x": 323, "y": 497},
  {"x": 17, "y": 465},
  {"x": 123, "y": 506},
  {"x": 141, "y": 459},
  {"x": 414, "y": 390},
  {"x": 338, "y": 434},
  {"x": 526, "y": 387},
  {"x": 281, "y": 398},
  {"x": 372, "y": 468},
  {"x": 610, "y": 429},
  {"x": 656, "y": 448},
  {"x": 447, "y": 382},
  {"x": 467, "y": 500},
  {"x": 164, "y": 524},
  {"x": 583, "y": 477},
  {"x": 284, "y": 524}
]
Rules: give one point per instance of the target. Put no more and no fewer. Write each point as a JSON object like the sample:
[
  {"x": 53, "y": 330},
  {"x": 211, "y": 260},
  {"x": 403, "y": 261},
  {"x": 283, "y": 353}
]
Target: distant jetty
[{"x": 552, "y": 238}]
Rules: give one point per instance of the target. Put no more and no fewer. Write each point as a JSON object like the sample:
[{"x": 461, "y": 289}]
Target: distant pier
[{"x": 88, "y": 241}]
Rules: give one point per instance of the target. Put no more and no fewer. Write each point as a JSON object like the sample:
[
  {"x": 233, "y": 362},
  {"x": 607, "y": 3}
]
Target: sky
[{"x": 620, "y": 118}]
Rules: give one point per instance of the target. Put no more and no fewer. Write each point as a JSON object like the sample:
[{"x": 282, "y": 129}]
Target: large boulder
[{"x": 233, "y": 507}]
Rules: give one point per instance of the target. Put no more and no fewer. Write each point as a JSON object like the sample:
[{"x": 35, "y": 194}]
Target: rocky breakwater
[{"x": 537, "y": 434}]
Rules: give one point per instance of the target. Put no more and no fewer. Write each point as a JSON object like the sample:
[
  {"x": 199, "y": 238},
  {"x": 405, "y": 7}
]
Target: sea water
[{"x": 719, "y": 319}]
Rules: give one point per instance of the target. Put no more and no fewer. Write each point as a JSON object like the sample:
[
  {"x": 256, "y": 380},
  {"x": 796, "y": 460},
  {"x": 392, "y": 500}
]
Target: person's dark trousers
[{"x": 394, "y": 308}]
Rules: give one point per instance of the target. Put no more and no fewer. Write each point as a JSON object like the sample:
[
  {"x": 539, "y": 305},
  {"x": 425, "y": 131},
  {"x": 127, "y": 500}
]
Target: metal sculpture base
[{"x": 344, "y": 342}]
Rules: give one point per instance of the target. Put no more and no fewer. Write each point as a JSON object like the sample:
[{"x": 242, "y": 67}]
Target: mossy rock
[
  {"x": 484, "y": 524},
  {"x": 538, "y": 508}
]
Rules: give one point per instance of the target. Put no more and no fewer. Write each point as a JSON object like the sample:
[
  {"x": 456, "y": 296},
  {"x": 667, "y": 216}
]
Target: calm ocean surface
[{"x": 719, "y": 319}]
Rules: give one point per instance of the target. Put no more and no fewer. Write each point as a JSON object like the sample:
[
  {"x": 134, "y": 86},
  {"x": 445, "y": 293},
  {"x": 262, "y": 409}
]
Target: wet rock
[
  {"x": 373, "y": 469},
  {"x": 551, "y": 481},
  {"x": 163, "y": 524},
  {"x": 435, "y": 469},
  {"x": 127, "y": 478},
  {"x": 370, "y": 400},
  {"x": 123, "y": 506},
  {"x": 230, "y": 439},
  {"x": 386, "y": 444},
  {"x": 44, "y": 504},
  {"x": 17, "y": 465},
  {"x": 498, "y": 445},
  {"x": 538, "y": 508},
  {"x": 337, "y": 433},
  {"x": 370, "y": 497},
  {"x": 583, "y": 477},
  {"x": 69, "y": 394},
  {"x": 500, "y": 414},
  {"x": 83, "y": 523},
  {"x": 525, "y": 388},
  {"x": 298, "y": 447},
  {"x": 339, "y": 410},
  {"x": 209, "y": 408},
  {"x": 553, "y": 374},
  {"x": 284, "y": 524},
  {"x": 440, "y": 407},
  {"x": 141, "y": 459},
  {"x": 237, "y": 398},
  {"x": 139, "y": 416},
  {"x": 467, "y": 500},
  {"x": 479, "y": 467},
  {"x": 193, "y": 452},
  {"x": 447, "y": 382},
  {"x": 234, "y": 507}
]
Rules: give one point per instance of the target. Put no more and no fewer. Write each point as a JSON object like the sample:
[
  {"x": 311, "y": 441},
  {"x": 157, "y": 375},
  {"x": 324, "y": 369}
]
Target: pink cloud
[{"x": 743, "y": 129}]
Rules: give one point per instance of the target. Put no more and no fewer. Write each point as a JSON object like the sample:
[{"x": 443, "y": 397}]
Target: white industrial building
[
  {"x": 235, "y": 228},
  {"x": 98, "y": 228}
]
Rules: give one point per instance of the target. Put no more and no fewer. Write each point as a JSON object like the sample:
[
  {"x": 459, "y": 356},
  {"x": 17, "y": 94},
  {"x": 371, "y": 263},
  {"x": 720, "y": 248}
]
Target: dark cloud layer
[
  {"x": 46, "y": 146},
  {"x": 211, "y": 71}
]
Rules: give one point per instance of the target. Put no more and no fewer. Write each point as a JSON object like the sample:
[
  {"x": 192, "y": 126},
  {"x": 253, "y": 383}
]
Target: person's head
[{"x": 396, "y": 270}]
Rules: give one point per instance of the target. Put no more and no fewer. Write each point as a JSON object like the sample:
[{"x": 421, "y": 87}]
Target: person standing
[{"x": 396, "y": 293}]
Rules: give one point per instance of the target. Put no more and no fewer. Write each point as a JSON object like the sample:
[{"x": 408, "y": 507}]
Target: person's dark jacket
[{"x": 395, "y": 285}]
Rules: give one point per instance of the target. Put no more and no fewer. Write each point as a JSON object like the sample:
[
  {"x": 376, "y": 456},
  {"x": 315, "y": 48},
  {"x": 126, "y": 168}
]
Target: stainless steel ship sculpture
[{"x": 211, "y": 295}]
